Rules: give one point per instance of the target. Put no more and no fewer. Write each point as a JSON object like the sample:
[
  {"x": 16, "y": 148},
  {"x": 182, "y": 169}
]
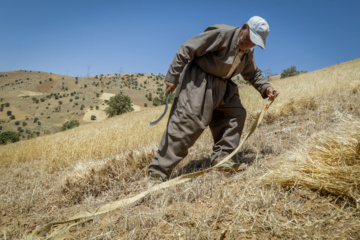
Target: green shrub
[
  {"x": 118, "y": 104},
  {"x": 70, "y": 124},
  {"x": 149, "y": 97},
  {"x": 93, "y": 117},
  {"x": 161, "y": 100},
  {"x": 9, "y": 113},
  {"x": 289, "y": 72},
  {"x": 17, "y": 123},
  {"x": 9, "y": 137}
]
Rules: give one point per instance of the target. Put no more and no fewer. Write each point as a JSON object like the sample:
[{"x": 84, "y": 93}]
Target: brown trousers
[{"x": 201, "y": 100}]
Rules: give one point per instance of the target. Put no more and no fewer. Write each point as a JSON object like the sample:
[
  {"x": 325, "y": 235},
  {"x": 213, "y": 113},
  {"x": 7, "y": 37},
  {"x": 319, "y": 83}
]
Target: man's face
[{"x": 244, "y": 42}]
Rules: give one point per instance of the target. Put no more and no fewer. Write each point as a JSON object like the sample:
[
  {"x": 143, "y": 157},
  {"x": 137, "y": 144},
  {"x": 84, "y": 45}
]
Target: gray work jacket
[{"x": 214, "y": 51}]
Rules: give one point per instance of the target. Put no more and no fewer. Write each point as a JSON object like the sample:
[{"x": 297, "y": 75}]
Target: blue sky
[{"x": 88, "y": 37}]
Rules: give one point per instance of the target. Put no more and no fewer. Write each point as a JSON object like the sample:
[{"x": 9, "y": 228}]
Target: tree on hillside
[
  {"x": 118, "y": 104},
  {"x": 161, "y": 100},
  {"x": 289, "y": 72},
  {"x": 69, "y": 125},
  {"x": 8, "y": 137}
]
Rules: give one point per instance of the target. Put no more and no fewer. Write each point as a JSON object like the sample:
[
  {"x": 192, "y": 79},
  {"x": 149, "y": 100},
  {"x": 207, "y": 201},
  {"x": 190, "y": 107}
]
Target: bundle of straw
[{"x": 328, "y": 161}]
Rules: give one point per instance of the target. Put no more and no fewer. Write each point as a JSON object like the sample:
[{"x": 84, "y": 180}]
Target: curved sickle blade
[{"x": 166, "y": 107}]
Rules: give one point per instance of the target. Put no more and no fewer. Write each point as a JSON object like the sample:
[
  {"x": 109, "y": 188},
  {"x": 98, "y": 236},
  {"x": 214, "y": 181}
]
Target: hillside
[
  {"x": 40, "y": 103},
  {"x": 300, "y": 177}
]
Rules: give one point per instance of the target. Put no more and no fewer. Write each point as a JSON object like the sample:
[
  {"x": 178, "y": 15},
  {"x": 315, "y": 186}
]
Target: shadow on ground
[{"x": 246, "y": 157}]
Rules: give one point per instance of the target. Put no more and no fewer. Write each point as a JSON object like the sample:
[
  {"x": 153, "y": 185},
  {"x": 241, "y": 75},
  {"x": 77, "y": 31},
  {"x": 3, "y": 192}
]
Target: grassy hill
[
  {"x": 40, "y": 103},
  {"x": 301, "y": 176}
]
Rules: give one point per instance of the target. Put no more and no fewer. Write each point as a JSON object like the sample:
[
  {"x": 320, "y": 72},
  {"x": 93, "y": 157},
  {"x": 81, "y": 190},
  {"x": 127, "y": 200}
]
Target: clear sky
[{"x": 90, "y": 37}]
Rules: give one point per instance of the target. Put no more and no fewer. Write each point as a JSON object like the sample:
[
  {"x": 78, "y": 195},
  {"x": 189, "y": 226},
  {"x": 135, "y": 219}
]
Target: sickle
[{"x": 166, "y": 107}]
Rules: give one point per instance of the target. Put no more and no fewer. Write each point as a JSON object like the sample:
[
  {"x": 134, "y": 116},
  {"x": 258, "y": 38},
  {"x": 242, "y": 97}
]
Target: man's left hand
[{"x": 272, "y": 93}]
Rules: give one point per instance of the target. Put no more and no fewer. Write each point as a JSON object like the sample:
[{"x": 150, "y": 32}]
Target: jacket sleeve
[
  {"x": 252, "y": 74},
  {"x": 208, "y": 41}
]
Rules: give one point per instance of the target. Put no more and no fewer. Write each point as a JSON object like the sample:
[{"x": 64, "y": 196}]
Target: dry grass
[
  {"x": 329, "y": 161},
  {"x": 303, "y": 149}
]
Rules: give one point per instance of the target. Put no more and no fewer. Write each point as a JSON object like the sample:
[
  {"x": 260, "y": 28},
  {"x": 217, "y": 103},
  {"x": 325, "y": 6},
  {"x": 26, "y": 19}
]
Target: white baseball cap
[{"x": 259, "y": 30}]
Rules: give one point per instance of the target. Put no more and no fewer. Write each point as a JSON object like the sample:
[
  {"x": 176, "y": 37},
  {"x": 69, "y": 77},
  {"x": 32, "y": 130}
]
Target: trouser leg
[
  {"x": 227, "y": 125},
  {"x": 189, "y": 116}
]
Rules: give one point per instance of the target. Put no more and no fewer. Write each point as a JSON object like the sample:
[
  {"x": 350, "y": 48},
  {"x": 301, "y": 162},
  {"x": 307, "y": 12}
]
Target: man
[{"x": 206, "y": 95}]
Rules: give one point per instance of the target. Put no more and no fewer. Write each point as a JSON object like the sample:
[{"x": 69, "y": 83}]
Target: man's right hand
[{"x": 170, "y": 87}]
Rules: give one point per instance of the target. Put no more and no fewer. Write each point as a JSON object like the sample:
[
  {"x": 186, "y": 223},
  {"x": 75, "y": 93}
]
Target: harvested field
[{"x": 301, "y": 179}]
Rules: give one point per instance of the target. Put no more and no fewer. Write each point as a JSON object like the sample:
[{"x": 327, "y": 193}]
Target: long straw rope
[{"x": 62, "y": 231}]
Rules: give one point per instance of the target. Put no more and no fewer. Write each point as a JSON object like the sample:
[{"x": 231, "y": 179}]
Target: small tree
[
  {"x": 8, "y": 137},
  {"x": 70, "y": 124},
  {"x": 9, "y": 113},
  {"x": 289, "y": 72},
  {"x": 118, "y": 104},
  {"x": 149, "y": 97},
  {"x": 161, "y": 100},
  {"x": 93, "y": 117}
]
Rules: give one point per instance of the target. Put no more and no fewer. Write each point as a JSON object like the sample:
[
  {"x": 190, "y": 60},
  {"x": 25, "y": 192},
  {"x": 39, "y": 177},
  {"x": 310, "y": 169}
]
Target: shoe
[
  {"x": 228, "y": 166},
  {"x": 154, "y": 179}
]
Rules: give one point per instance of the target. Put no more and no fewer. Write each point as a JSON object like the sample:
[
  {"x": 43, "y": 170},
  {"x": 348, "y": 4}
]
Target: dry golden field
[{"x": 301, "y": 181}]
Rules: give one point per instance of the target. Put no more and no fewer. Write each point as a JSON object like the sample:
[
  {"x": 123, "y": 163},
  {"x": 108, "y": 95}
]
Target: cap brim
[{"x": 256, "y": 39}]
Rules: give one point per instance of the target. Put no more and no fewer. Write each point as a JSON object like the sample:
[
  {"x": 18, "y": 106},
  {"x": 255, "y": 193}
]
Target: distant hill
[{"x": 41, "y": 102}]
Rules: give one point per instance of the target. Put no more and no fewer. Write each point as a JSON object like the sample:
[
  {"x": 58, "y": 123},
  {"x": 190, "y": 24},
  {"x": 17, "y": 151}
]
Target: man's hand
[
  {"x": 170, "y": 87},
  {"x": 272, "y": 93}
]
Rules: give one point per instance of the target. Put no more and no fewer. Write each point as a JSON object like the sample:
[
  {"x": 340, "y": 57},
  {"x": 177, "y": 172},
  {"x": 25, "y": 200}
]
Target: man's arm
[
  {"x": 199, "y": 45},
  {"x": 252, "y": 74}
]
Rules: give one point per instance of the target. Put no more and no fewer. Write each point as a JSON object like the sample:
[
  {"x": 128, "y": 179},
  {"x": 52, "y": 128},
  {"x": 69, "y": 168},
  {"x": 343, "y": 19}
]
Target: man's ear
[{"x": 244, "y": 26}]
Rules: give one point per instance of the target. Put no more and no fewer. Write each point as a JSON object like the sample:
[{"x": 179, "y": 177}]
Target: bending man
[{"x": 206, "y": 95}]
